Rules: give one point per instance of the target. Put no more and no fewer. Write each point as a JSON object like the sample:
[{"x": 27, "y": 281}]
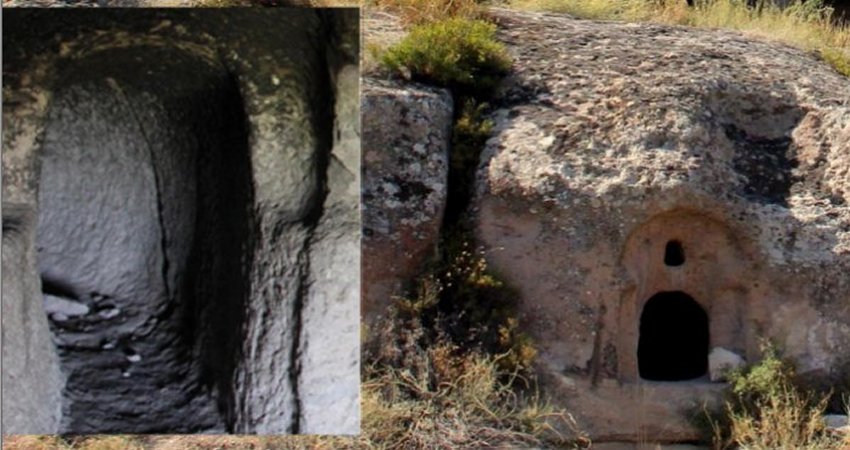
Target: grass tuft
[
  {"x": 457, "y": 53},
  {"x": 837, "y": 58}
]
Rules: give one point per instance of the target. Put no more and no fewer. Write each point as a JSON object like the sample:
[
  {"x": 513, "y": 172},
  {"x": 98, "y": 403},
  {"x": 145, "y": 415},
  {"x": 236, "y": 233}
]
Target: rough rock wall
[
  {"x": 179, "y": 162},
  {"x": 406, "y": 144},
  {"x": 406, "y": 139},
  {"x": 123, "y": 183},
  {"x": 32, "y": 370},
  {"x": 30, "y": 362},
  {"x": 329, "y": 379},
  {"x": 612, "y": 140}
]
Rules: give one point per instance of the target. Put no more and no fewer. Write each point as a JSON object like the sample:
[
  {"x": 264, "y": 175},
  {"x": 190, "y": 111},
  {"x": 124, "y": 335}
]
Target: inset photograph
[
  {"x": 181, "y": 221},
  {"x": 177, "y": 3}
]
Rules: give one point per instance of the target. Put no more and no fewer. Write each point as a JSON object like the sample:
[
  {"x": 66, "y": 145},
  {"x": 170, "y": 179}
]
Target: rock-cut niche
[
  {"x": 686, "y": 297},
  {"x": 144, "y": 239}
]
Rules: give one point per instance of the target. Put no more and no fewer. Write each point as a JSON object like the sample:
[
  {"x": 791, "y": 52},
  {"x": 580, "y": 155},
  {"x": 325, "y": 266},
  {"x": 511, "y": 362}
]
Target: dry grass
[
  {"x": 220, "y": 3},
  {"x": 416, "y": 12},
  {"x": 808, "y": 25},
  {"x": 81, "y": 443},
  {"x": 249, "y": 443},
  {"x": 33, "y": 443},
  {"x": 421, "y": 390},
  {"x": 767, "y": 409},
  {"x": 333, "y": 3},
  {"x": 457, "y": 400},
  {"x": 784, "y": 420}
]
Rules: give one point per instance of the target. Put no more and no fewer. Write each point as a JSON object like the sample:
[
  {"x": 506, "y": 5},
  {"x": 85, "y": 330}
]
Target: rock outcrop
[
  {"x": 406, "y": 144},
  {"x": 721, "y": 362},
  {"x": 176, "y": 184},
  {"x": 406, "y": 137},
  {"x": 655, "y": 191}
]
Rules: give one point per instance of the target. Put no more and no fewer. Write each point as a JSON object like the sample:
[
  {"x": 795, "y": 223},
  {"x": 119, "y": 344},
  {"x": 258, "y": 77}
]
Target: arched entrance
[{"x": 674, "y": 338}]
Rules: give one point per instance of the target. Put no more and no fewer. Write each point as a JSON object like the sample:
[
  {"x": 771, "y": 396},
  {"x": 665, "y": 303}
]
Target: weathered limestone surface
[
  {"x": 173, "y": 177},
  {"x": 614, "y": 140},
  {"x": 406, "y": 139}
]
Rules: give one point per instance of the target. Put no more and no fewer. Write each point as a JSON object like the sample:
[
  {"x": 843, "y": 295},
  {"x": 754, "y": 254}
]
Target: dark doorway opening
[
  {"x": 674, "y": 254},
  {"x": 673, "y": 343}
]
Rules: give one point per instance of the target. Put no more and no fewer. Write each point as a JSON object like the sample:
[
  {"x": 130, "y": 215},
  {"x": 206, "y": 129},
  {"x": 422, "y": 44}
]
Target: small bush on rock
[
  {"x": 767, "y": 410},
  {"x": 457, "y": 53}
]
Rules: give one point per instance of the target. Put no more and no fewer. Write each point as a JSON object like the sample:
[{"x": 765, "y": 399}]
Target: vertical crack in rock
[
  {"x": 297, "y": 325},
  {"x": 160, "y": 210},
  {"x": 597, "y": 355}
]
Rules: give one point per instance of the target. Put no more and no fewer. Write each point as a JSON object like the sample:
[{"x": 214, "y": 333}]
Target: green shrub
[
  {"x": 457, "y": 53},
  {"x": 767, "y": 410}
]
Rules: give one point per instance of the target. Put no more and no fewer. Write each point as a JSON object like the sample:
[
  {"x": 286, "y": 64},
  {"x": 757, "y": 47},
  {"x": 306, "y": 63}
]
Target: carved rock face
[
  {"x": 178, "y": 164},
  {"x": 632, "y": 162},
  {"x": 143, "y": 200}
]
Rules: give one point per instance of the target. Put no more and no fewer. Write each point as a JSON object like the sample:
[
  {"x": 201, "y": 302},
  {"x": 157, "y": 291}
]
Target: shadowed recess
[
  {"x": 144, "y": 238},
  {"x": 674, "y": 254},
  {"x": 674, "y": 339}
]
